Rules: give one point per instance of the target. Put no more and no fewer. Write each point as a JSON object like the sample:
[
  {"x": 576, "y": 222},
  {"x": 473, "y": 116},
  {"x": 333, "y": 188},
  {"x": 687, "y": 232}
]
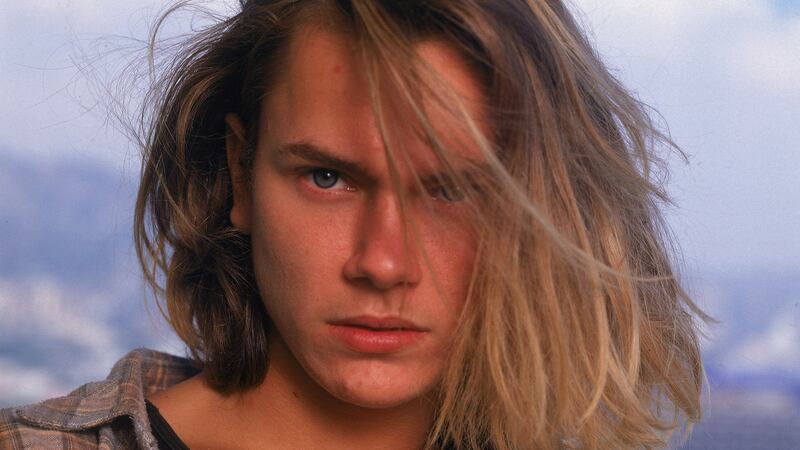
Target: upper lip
[{"x": 379, "y": 323}]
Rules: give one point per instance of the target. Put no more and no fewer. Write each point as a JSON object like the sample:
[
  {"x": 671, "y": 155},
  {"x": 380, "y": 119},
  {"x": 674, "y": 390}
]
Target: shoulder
[
  {"x": 17, "y": 433},
  {"x": 102, "y": 414}
]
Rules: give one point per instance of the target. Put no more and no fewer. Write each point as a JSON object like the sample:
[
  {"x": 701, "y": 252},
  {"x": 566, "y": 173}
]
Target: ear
[{"x": 235, "y": 145}]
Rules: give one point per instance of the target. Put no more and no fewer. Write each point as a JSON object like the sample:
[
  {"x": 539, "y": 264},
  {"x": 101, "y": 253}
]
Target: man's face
[{"x": 343, "y": 277}]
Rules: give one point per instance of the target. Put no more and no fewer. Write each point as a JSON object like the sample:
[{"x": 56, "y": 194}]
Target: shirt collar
[{"x": 138, "y": 374}]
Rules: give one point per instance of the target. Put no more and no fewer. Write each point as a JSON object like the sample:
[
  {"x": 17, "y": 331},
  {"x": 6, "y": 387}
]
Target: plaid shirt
[{"x": 108, "y": 414}]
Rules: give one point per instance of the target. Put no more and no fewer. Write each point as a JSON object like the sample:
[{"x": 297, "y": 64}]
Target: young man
[{"x": 413, "y": 224}]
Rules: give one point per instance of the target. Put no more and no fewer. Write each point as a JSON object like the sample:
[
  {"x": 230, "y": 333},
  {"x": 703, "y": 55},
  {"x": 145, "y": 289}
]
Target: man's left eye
[{"x": 448, "y": 193}]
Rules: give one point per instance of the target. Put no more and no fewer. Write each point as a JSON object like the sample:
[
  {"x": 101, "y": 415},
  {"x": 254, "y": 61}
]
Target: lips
[
  {"x": 373, "y": 335},
  {"x": 379, "y": 323}
]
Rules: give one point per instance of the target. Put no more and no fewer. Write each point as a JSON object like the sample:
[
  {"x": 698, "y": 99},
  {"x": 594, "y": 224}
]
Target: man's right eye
[{"x": 326, "y": 179}]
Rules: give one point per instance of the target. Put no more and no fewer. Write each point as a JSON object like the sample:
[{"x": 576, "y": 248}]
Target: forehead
[{"x": 321, "y": 95}]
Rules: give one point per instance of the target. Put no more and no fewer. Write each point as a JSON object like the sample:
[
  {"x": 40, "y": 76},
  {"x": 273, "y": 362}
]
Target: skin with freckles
[{"x": 330, "y": 246}]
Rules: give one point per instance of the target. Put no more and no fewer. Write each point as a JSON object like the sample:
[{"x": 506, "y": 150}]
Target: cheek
[
  {"x": 295, "y": 252},
  {"x": 451, "y": 252}
]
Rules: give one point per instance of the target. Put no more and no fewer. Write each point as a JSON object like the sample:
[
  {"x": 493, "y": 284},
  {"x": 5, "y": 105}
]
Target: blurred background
[{"x": 725, "y": 76}]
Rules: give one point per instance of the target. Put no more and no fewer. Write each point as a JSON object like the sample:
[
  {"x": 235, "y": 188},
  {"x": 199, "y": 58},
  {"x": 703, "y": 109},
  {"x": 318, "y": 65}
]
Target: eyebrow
[{"x": 322, "y": 156}]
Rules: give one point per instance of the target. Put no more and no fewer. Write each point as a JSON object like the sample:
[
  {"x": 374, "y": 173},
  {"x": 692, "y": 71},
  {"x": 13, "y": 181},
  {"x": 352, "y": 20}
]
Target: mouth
[
  {"x": 379, "y": 323},
  {"x": 374, "y": 335}
]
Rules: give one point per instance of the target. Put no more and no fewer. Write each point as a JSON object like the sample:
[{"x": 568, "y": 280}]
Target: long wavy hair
[{"x": 575, "y": 331}]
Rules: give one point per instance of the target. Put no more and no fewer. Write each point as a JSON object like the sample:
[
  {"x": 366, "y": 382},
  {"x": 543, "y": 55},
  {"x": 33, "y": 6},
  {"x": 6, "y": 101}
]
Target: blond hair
[{"x": 575, "y": 331}]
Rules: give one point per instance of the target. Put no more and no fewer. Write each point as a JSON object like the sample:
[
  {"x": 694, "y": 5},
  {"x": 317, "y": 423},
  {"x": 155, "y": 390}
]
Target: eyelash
[
  {"x": 438, "y": 192},
  {"x": 308, "y": 174},
  {"x": 456, "y": 195}
]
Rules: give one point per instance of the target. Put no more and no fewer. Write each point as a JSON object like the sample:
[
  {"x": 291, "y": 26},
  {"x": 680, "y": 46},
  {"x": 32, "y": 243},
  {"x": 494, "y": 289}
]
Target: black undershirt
[
  {"x": 164, "y": 434},
  {"x": 166, "y": 437}
]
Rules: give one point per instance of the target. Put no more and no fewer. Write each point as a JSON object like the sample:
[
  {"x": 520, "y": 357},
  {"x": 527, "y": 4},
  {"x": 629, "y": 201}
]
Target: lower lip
[{"x": 365, "y": 340}]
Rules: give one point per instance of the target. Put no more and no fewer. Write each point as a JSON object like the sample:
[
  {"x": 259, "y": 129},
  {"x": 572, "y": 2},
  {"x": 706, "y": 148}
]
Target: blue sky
[
  {"x": 787, "y": 6},
  {"x": 726, "y": 77}
]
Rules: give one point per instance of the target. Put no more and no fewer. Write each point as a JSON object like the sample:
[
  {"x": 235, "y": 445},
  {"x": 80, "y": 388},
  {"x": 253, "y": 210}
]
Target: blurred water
[{"x": 745, "y": 430}]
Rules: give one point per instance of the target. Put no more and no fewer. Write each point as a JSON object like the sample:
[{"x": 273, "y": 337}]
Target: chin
[
  {"x": 376, "y": 400},
  {"x": 379, "y": 385}
]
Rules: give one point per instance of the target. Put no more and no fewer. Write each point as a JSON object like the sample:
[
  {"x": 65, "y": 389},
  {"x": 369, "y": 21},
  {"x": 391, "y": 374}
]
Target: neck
[{"x": 290, "y": 410}]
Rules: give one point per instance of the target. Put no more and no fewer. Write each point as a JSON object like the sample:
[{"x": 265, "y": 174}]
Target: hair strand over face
[{"x": 575, "y": 331}]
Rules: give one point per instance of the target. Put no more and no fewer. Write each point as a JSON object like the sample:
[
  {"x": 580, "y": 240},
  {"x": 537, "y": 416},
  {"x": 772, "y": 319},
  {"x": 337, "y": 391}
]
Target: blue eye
[
  {"x": 449, "y": 194},
  {"x": 325, "y": 178}
]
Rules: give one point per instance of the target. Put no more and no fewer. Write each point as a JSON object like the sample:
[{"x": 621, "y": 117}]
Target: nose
[{"x": 385, "y": 254}]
